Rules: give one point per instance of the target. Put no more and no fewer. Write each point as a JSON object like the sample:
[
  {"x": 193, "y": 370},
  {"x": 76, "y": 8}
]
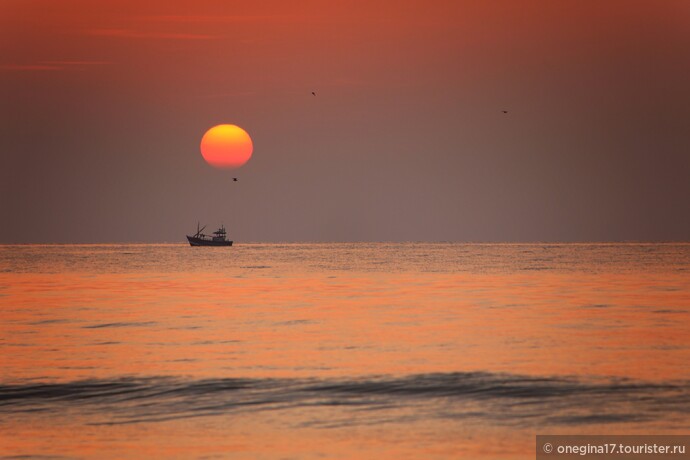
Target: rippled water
[{"x": 338, "y": 350}]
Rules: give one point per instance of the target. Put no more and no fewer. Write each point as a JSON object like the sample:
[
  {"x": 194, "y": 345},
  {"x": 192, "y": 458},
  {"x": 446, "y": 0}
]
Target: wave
[
  {"x": 492, "y": 397},
  {"x": 121, "y": 324}
]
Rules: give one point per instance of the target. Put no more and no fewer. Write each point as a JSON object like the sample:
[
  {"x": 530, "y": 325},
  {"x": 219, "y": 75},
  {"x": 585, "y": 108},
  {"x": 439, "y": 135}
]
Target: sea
[{"x": 338, "y": 351}]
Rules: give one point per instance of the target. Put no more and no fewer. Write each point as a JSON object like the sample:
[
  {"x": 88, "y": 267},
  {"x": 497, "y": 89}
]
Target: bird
[
  {"x": 313, "y": 93},
  {"x": 505, "y": 111},
  {"x": 234, "y": 179}
]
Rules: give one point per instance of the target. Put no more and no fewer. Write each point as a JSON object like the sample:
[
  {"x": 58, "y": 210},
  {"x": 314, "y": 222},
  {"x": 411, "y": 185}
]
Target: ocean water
[{"x": 347, "y": 351}]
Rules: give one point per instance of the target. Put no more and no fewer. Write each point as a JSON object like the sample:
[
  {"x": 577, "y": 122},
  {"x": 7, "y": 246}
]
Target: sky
[{"x": 103, "y": 106}]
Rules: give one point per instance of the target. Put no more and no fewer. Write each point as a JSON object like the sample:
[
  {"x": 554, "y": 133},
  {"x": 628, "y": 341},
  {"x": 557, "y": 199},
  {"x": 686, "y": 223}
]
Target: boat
[{"x": 219, "y": 237}]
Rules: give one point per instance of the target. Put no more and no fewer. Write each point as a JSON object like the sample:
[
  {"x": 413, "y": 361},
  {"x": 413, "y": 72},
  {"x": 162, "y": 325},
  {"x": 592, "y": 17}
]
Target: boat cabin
[{"x": 220, "y": 234}]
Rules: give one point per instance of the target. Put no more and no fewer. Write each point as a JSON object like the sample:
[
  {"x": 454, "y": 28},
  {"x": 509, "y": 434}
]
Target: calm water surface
[{"x": 387, "y": 351}]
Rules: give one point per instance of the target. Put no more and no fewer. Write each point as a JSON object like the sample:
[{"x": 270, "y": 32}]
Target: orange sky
[{"x": 104, "y": 105}]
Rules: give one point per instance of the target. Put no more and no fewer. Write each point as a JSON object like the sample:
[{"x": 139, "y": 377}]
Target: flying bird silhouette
[
  {"x": 505, "y": 111},
  {"x": 313, "y": 93},
  {"x": 234, "y": 179}
]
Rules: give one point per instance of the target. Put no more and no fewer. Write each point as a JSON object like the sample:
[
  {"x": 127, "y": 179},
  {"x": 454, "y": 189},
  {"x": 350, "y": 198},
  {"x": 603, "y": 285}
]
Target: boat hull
[{"x": 194, "y": 241}]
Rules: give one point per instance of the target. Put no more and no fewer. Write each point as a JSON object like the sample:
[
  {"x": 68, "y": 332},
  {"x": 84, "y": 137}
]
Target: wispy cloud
[
  {"x": 54, "y": 65},
  {"x": 25, "y": 67},
  {"x": 75, "y": 63},
  {"x": 131, "y": 33},
  {"x": 223, "y": 19}
]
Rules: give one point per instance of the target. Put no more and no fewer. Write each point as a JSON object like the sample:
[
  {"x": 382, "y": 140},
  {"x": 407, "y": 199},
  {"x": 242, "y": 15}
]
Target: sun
[{"x": 226, "y": 146}]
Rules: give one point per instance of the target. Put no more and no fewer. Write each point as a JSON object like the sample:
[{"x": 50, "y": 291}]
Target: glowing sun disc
[{"x": 226, "y": 146}]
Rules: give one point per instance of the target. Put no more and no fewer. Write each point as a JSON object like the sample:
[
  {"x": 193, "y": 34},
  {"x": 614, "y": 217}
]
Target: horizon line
[{"x": 469, "y": 242}]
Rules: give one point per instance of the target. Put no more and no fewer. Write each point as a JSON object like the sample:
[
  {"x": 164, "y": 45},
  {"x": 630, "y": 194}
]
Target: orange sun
[{"x": 226, "y": 146}]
